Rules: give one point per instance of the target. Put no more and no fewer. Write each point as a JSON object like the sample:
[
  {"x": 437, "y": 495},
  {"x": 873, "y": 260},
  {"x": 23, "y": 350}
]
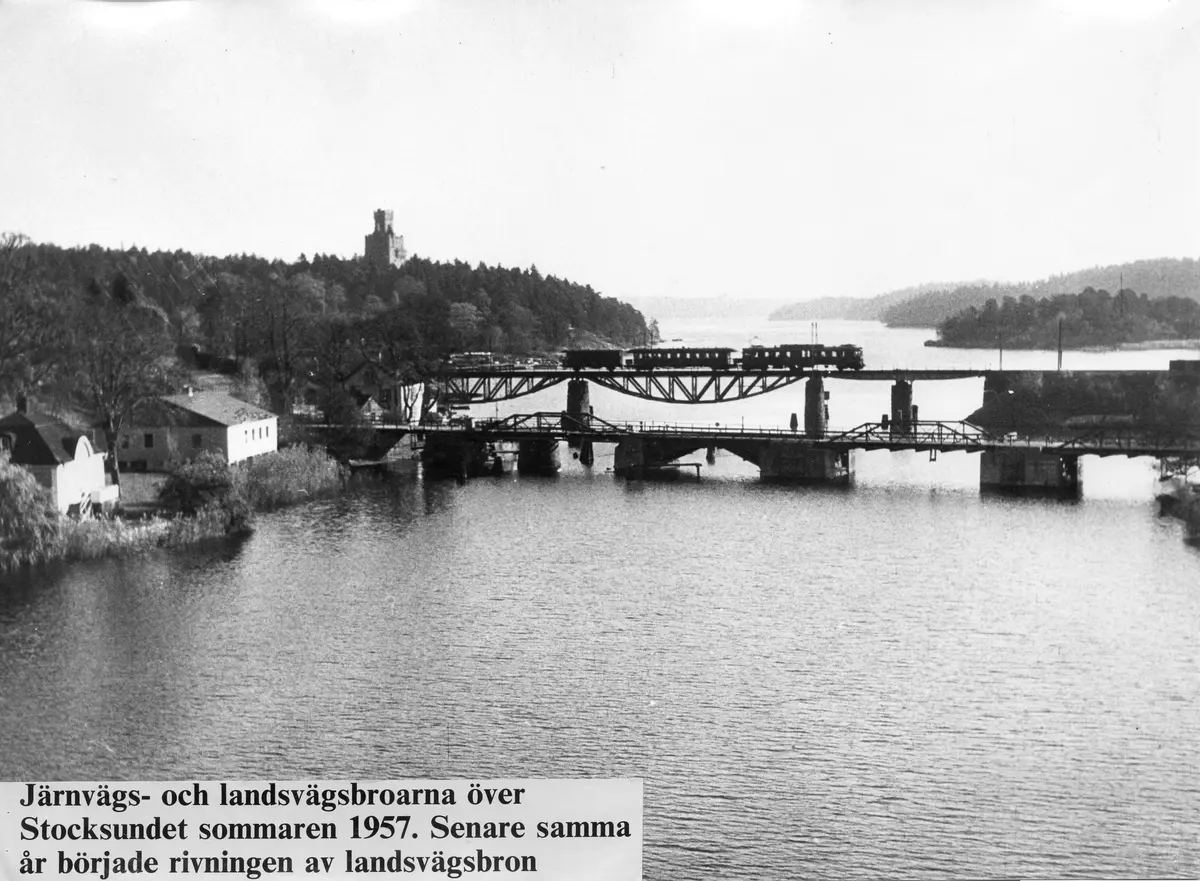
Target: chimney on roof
[{"x": 22, "y": 404}]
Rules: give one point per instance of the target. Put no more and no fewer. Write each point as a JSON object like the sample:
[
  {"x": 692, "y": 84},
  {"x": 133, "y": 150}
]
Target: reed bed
[{"x": 291, "y": 475}]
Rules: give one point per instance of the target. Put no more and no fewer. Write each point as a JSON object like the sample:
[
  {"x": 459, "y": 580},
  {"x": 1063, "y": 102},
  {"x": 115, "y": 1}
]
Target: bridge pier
[
  {"x": 1030, "y": 471},
  {"x": 902, "y": 408},
  {"x": 639, "y": 457},
  {"x": 789, "y": 462},
  {"x": 456, "y": 457},
  {"x": 629, "y": 458},
  {"x": 816, "y": 413},
  {"x": 586, "y": 455},
  {"x": 538, "y": 456},
  {"x": 578, "y": 407}
]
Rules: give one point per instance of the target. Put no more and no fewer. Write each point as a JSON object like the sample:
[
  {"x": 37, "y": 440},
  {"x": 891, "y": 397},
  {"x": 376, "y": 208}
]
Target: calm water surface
[{"x": 903, "y": 678}]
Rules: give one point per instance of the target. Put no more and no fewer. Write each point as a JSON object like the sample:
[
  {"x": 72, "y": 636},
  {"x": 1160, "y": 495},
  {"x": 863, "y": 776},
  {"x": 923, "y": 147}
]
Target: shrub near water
[
  {"x": 29, "y": 523},
  {"x": 93, "y": 539},
  {"x": 293, "y": 474},
  {"x": 203, "y": 489}
]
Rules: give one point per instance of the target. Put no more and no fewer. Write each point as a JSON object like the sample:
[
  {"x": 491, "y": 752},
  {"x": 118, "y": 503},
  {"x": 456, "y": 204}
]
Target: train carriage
[
  {"x": 711, "y": 358},
  {"x": 593, "y": 359}
]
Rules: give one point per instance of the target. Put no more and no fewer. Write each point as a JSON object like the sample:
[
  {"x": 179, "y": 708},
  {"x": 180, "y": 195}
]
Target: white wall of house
[
  {"x": 162, "y": 448},
  {"x": 80, "y": 477},
  {"x": 71, "y": 481},
  {"x": 252, "y": 439}
]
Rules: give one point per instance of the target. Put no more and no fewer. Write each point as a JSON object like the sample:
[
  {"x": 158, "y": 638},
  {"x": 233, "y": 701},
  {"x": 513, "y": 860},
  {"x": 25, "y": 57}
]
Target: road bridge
[{"x": 816, "y": 455}]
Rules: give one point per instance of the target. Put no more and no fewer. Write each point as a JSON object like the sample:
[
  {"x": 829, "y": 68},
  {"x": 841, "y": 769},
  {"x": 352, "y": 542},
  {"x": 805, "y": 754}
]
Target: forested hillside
[
  {"x": 100, "y": 329},
  {"x": 927, "y": 305},
  {"x": 1090, "y": 318}
]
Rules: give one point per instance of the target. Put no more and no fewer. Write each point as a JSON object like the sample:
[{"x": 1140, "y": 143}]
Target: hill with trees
[
  {"x": 99, "y": 330},
  {"x": 1091, "y": 318},
  {"x": 928, "y": 305}
]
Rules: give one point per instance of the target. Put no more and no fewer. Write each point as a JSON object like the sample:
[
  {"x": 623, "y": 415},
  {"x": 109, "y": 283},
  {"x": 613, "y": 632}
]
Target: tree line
[
  {"x": 1090, "y": 318},
  {"x": 928, "y": 304},
  {"x": 100, "y": 330}
]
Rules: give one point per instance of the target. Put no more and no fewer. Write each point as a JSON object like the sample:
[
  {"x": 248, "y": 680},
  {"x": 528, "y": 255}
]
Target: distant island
[
  {"x": 1091, "y": 318},
  {"x": 928, "y": 305}
]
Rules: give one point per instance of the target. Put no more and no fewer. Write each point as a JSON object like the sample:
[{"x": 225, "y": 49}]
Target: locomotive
[
  {"x": 790, "y": 356},
  {"x": 802, "y": 356}
]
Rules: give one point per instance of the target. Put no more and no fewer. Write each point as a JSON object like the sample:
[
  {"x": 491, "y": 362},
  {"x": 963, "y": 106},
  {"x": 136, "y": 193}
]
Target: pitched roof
[
  {"x": 219, "y": 408},
  {"x": 39, "y": 439}
]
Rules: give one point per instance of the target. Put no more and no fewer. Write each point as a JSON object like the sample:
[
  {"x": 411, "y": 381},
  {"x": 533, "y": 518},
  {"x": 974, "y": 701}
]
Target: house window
[
  {"x": 196, "y": 441},
  {"x": 6, "y": 442},
  {"x": 124, "y": 442},
  {"x": 148, "y": 441},
  {"x": 268, "y": 430}
]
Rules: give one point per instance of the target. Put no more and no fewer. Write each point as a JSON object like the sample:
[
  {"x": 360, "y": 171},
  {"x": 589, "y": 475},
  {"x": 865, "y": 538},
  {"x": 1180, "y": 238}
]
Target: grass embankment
[{"x": 200, "y": 500}]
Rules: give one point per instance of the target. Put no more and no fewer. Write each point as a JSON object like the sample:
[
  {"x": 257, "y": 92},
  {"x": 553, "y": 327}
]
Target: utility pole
[{"x": 1060, "y": 344}]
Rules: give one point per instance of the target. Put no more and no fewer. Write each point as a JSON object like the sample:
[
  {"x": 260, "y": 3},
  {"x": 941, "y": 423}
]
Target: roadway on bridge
[{"x": 920, "y": 436}]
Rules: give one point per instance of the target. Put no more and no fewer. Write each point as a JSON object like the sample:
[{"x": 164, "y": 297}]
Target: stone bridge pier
[
  {"x": 793, "y": 461},
  {"x": 635, "y": 457},
  {"x": 816, "y": 411},
  {"x": 1030, "y": 471},
  {"x": 903, "y": 413},
  {"x": 578, "y": 407},
  {"x": 538, "y": 456},
  {"x": 778, "y": 461},
  {"x": 458, "y": 457},
  {"x": 579, "y": 411}
]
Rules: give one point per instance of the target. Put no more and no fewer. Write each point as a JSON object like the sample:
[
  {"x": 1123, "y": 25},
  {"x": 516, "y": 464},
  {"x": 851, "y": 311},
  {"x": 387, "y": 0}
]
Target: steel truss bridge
[
  {"x": 935, "y": 437},
  {"x": 469, "y": 386}
]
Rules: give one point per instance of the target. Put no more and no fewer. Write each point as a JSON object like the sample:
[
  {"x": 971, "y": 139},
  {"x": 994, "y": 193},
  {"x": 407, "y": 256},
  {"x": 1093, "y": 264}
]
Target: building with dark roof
[
  {"x": 61, "y": 458},
  {"x": 175, "y": 428}
]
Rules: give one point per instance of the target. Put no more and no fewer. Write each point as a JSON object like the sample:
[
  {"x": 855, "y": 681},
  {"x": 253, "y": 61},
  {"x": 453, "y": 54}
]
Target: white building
[
  {"x": 176, "y": 428},
  {"x": 61, "y": 459}
]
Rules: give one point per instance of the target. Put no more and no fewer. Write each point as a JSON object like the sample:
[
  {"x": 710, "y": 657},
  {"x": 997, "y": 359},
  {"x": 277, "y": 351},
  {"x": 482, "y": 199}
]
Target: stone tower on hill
[{"x": 384, "y": 247}]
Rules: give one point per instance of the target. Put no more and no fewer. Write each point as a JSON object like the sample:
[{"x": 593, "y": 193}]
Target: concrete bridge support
[
  {"x": 816, "y": 413},
  {"x": 538, "y": 456},
  {"x": 456, "y": 457},
  {"x": 788, "y": 462},
  {"x": 629, "y": 458},
  {"x": 637, "y": 457},
  {"x": 1030, "y": 471},
  {"x": 578, "y": 407},
  {"x": 902, "y": 408}
]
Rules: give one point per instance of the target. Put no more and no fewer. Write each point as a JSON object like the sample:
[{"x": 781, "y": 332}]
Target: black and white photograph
[{"x": 786, "y": 409}]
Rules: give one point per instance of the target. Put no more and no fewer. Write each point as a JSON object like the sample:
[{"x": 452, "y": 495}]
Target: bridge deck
[
  {"x": 681, "y": 386},
  {"x": 921, "y": 436},
  {"x": 875, "y": 374}
]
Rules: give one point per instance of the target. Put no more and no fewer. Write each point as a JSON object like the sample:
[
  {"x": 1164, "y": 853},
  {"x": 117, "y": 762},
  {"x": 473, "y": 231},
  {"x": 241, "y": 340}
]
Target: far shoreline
[{"x": 1144, "y": 346}]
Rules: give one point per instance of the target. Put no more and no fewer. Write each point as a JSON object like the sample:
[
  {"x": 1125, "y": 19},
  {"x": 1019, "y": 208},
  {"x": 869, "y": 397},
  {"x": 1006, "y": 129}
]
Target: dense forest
[
  {"x": 99, "y": 330},
  {"x": 1091, "y": 318},
  {"x": 929, "y": 304}
]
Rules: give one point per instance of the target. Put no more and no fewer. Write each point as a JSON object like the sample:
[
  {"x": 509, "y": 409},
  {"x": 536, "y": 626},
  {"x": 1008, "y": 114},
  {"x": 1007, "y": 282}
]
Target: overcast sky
[{"x": 770, "y": 149}]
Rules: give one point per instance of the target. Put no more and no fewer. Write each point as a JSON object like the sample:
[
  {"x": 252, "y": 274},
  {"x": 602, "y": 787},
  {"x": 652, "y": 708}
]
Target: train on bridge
[{"x": 788, "y": 356}]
